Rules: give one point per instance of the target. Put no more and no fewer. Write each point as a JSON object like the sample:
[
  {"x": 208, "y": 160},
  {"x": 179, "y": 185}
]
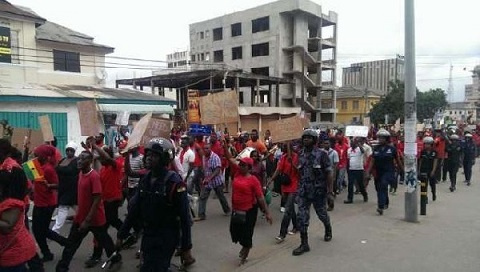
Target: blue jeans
[{"x": 381, "y": 185}]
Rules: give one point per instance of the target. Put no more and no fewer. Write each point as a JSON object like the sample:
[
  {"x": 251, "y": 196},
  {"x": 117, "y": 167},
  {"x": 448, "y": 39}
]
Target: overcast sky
[{"x": 446, "y": 31}]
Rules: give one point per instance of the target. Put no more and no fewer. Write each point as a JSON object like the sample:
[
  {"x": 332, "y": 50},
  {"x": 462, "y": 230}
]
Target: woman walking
[
  {"x": 247, "y": 196},
  {"x": 67, "y": 172}
]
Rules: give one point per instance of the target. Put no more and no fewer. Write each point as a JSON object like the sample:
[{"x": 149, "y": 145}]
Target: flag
[{"x": 33, "y": 170}]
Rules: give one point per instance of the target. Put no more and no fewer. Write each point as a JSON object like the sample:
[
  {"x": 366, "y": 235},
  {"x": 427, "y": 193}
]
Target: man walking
[{"x": 356, "y": 162}]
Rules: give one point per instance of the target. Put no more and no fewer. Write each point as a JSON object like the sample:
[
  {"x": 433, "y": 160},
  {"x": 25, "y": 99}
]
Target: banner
[
  {"x": 286, "y": 129},
  {"x": 5, "y": 45},
  {"x": 46, "y": 128},
  {"x": 356, "y": 131},
  {"x": 148, "y": 128},
  {"x": 219, "y": 108},
  {"x": 193, "y": 114},
  {"x": 90, "y": 122}
]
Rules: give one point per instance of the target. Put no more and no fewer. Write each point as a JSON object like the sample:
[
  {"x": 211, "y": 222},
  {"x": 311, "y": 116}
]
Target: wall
[{"x": 346, "y": 116}]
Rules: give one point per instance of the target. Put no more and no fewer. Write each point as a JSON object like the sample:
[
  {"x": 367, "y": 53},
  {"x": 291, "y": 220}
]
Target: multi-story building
[
  {"x": 285, "y": 39},
  {"x": 374, "y": 75},
  {"x": 46, "y": 68},
  {"x": 177, "y": 62},
  {"x": 354, "y": 104},
  {"x": 472, "y": 91}
]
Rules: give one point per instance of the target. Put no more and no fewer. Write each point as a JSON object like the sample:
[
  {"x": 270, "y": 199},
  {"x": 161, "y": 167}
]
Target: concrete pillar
[
  {"x": 269, "y": 95},
  {"x": 257, "y": 100},
  {"x": 252, "y": 96},
  {"x": 277, "y": 95}
]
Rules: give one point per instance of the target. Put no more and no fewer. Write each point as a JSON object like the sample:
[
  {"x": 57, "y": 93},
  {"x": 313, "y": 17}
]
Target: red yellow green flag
[{"x": 33, "y": 170}]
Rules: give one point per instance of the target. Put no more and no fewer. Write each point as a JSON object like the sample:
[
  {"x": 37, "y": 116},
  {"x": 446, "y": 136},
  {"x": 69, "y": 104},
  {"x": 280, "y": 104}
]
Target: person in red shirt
[
  {"x": 286, "y": 165},
  {"x": 90, "y": 216},
  {"x": 420, "y": 136},
  {"x": 45, "y": 201},
  {"x": 217, "y": 148},
  {"x": 110, "y": 178},
  {"x": 439, "y": 146},
  {"x": 247, "y": 195},
  {"x": 341, "y": 147}
]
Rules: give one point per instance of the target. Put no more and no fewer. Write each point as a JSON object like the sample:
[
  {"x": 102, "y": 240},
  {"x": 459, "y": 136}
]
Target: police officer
[
  {"x": 383, "y": 161},
  {"x": 315, "y": 186},
  {"x": 428, "y": 164},
  {"x": 469, "y": 153},
  {"x": 454, "y": 151},
  {"x": 161, "y": 206}
]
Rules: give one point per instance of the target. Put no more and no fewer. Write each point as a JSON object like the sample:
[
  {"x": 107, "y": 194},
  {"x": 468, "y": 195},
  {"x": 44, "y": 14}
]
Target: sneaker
[
  {"x": 348, "y": 201},
  {"x": 280, "y": 239},
  {"x": 92, "y": 262},
  {"x": 282, "y": 209},
  {"x": 380, "y": 211},
  {"x": 292, "y": 232},
  {"x": 468, "y": 183}
]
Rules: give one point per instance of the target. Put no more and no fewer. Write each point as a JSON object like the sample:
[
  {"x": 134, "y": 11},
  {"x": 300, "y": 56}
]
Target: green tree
[{"x": 393, "y": 105}]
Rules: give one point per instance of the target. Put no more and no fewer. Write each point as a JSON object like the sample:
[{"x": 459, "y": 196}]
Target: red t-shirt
[
  {"x": 245, "y": 191},
  {"x": 198, "y": 159},
  {"x": 439, "y": 146},
  {"x": 88, "y": 186},
  {"x": 419, "y": 147},
  {"x": 342, "y": 154},
  {"x": 21, "y": 246},
  {"x": 217, "y": 148},
  {"x": 111, "y": 179},
  {"x": 286, "y": 167},
  {"x": 43, "y": 196}
]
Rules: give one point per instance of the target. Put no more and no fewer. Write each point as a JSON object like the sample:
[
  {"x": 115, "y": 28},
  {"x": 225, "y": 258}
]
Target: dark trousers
[
  {"x": 439, "y": 170},
  {"x": 381, "y": 186},
  {"x": 467, "y": 169},
  {"x": 197, "y": 179},
  {"x": 356, "y": 176},
  {"x": 158, "y": 250},
  {"x": 453, "y": 170},
  {"x": 289, "y": 214},
  {"x": 41, "y": 218},
  {"x": 131, "y": 192},
  {"x": 445, "y": 169},
  {"x": 111, "y": 214},
  {"x": 75, "y": 240},
  {"x": 432, "y": 181},
  {"x": 17, "y": 268},
  {"x": 319, "y": 202},
  {"x": 202, "y": 205}
]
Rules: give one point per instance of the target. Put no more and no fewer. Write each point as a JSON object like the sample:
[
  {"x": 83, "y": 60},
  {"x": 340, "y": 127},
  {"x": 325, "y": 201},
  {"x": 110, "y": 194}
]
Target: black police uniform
[
  {"x": 428, "y": 158},
  {"x": 469, "y": 153},
  {"x": 454, "y": 151},
  {"x": 161, "y": 207}
]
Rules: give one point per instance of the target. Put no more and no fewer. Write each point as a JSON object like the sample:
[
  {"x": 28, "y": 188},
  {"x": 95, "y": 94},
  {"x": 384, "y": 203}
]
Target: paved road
[{"x": 447, "y": 239}]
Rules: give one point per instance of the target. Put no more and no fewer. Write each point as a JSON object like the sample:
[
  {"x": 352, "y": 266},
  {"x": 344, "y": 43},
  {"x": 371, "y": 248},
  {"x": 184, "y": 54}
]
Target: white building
[
  {"x": 177, "y": 62},
  {"x": 291, "y": 39},
  {"x": 45, "y": 68}
]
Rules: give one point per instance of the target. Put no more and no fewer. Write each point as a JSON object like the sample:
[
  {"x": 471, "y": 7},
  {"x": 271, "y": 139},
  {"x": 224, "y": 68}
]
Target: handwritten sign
[
  {"x": 20, "y": 135},
  {"x": 46, "y": 128},
  {"x": 420, "y": 127},
  {"x": 122, "y": 118},
  {"x": 90, "y": 121},
  {"x": 286, "y": 129},
  {"x": 220, "y": 108},
  {"x": 148, "y": 128},
  {"x": 356, "y": 131}
]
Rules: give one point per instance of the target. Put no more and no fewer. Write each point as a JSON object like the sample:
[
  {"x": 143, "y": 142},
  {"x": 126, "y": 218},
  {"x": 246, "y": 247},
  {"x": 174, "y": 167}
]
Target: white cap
[{"x": 72, "y": 145}]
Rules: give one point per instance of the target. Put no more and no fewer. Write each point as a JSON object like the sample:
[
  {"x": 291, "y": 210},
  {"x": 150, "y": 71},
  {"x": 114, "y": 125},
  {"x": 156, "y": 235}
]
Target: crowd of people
[{"x": 167, "y": 183}]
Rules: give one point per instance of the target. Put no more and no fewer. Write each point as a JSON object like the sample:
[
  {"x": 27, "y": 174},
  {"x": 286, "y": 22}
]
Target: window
[
  {"x": 263, "y": 71},
  {"x": 66, "y": 61},
  {"x": 202, "y": 35},
  {"x": 207, "y": 34},
  {"x": 356, "y": 105},
  {"x": 218, "y": 34},
  {"x": 15, "y": 46},
  {"x": 236, "y": 53},
  {"x": 344, "y": 105},
  {"x": 260, "y": 24},
  {"x": 170, "y": 65},
  {"x": 207, "y": 56},
  {"x": 202, "y": 56},
  {"x": 218, "y": 56},
  {"x": 260, "y": 49},
  {"x": 182, "y": 63},
  {"x": 240, "y": 97},
  {"x": 236, "y": 29},
  {"x": 193, "y": 58}
]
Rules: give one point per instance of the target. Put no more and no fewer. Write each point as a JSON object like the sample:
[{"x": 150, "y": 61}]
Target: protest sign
[
  {"x": 420, "y": 127},
  {"x": 46, "y": 128},
  {"x": 21, "y": 134},
  {"x": 219, "y": 108},
  {"x": 286, "y": 129},
  {"x": 122, "y": 118},
  {"x": 148, "y": 128},
  {"x": 193, "y": 114},
  {"x": 397, "y": 126},
  {"x": 135, "y": 138},
  {"x": 356, "y": 131},
  {"x": 90, "y": 121}
]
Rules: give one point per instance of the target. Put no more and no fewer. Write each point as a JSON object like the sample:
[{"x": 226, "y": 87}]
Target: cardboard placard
[
  {"x": 219, "y": 108},
  {"x": 90, "y": 121},
  {"x": 286, "y": 129},
  {"x": 420, "y": 127},
  {"x": 366, "y": 121},
  {"x": 122, "y": 118},
  {"x": 356, "y": 131},
  {"x": 19, "y": 135},
  {"x": 148, "y": 128},
  {"x": 46, "y": 128},
  {"x": 397, "y": 125}
]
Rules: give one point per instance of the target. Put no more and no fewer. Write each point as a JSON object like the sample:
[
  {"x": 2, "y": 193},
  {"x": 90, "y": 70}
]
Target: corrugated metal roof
[
  {"x": 80, "y": 92},
  {"x": 50, "y": 31}
]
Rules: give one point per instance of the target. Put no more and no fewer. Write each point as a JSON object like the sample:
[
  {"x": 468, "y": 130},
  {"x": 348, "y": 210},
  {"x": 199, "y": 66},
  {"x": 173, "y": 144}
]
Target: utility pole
[{"x": 411, "y": 195}]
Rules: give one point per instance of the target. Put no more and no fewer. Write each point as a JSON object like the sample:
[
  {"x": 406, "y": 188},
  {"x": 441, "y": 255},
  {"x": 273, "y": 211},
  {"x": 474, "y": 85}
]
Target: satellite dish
[{"x": 101, "y": 75}]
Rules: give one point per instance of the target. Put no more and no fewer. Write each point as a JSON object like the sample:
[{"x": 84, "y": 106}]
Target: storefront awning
[{"x": 136, "y": 109}]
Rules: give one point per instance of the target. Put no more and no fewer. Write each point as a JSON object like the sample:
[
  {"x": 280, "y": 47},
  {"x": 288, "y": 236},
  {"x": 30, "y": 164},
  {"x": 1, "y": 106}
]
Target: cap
[
  {"x": 247, "y": 161},
  {"x": 428, "y": 140},
  {"x": 454, "y": 137},
  {"x": 468, "y": 134},
  {"x": 383, "y": 133},
  {"x": 71, "y": 145}
]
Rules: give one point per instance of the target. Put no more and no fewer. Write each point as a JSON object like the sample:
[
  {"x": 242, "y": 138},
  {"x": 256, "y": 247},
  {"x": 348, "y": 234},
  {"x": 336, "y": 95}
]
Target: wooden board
[
  {"x": 219, "y": 108},
  {"x": 90, "y": 123},
  {"x": 19, "y": 134},
  {"x": 157, "y": 128},
  {"x": 286, "y": 129},
  {"x": 136, "y": 137},
  {"x": 46, "y": 128}
]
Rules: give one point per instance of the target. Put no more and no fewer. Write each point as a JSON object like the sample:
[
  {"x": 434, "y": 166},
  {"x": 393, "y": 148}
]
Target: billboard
[{"x": 5, "y": 45}]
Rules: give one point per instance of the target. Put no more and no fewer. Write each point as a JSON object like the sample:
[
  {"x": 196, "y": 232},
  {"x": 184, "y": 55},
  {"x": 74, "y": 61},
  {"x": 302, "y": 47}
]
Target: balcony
[{"x": 328, "y": 43}]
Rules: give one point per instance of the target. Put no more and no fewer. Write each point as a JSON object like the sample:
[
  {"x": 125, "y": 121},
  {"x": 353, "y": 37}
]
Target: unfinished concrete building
[{"x": 289, "y": 39}]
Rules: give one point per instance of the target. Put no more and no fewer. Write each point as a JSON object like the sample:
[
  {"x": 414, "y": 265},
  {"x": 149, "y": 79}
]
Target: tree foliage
[{"x": 393, "y": 104}]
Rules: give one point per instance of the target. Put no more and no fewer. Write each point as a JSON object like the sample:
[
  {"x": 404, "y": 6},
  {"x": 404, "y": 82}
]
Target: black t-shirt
[
  {"x": 454, "y": 151},
  {"x": 427, "y": 157}
]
